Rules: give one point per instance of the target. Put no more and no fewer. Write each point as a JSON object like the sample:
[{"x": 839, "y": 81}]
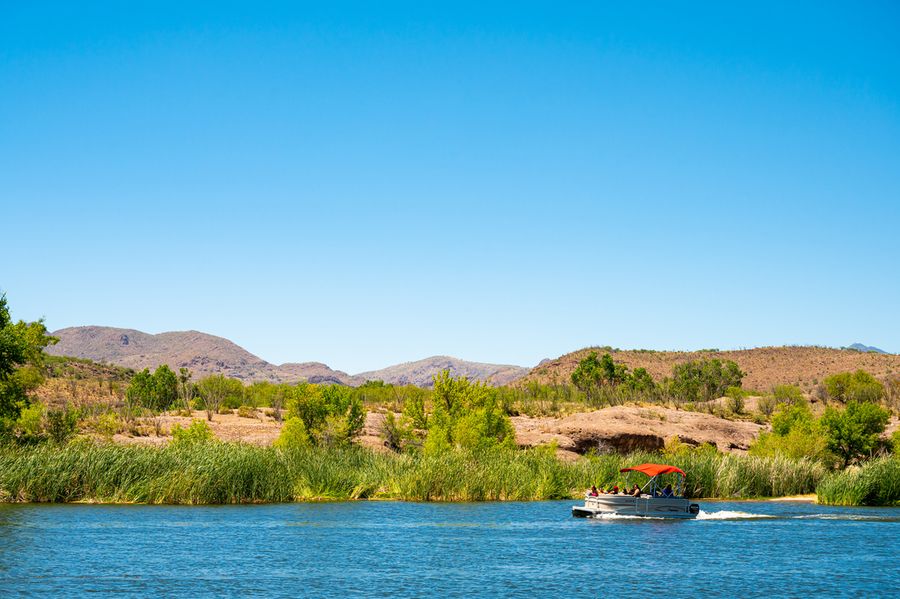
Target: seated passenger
[
  {"x": 614, "y": 490},
  {"x": 594, "y": 492},
  {"x": 668, "y": 492},
  {"x": 636, "y": 491}
]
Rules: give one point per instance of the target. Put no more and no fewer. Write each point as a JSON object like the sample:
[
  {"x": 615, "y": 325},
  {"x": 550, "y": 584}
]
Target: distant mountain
[
  {"x": 866, "y": 348},
  {"x": 420, "y": 373},
  {"x": 207, "y": 354},
  {"x": 203, "y": 354},
  {"x": 316, "y": 372}
]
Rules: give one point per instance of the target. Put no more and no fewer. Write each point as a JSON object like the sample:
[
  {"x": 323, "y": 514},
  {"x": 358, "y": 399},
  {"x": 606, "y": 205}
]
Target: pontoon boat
[{"x": 654, "y": 501}]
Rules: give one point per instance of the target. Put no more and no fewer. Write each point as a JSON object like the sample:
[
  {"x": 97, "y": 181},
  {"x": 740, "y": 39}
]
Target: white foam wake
[{"x": 730, "y": 515}]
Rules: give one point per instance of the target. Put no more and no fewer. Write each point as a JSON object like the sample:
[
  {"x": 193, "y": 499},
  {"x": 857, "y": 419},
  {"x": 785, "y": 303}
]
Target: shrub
[
  {"x": 30, "y": 423},
  {"x": 396, "y": 433},
  {"x": 795, "y": 434},
  {"x": 796, "y": 444},
  {"x": 293, "y": 435},
  {"x": 197, "y": 432},
  {"x": 734, "y": 400},
  {"x": 766, "y": 405},
  {"x": 107, "y": 425},
  {"x": 246, "y": 412},
  {"x": 790, "y": 417},
  {"x": 859, "y": 386},
  {"x": 61, "y": 424},
  {"x": 788, "y": 394}
]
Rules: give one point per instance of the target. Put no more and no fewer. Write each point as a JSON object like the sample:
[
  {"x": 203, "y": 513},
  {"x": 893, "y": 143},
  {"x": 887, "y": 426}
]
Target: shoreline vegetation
[{"x": 219, "y": 473}]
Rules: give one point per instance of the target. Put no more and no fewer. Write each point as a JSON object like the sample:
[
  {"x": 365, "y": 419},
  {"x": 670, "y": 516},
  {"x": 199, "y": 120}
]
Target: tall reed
[
  {"x": 204, "y": 473},
  {"x": 876, "y": 482}
]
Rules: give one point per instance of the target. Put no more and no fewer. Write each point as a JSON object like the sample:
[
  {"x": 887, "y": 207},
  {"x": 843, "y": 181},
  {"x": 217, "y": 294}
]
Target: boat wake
[
  {"x": 730, "y": 515},
  {"x": 734, "y": 515}
]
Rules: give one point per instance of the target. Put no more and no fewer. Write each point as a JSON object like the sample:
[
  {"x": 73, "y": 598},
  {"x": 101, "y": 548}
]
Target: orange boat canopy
[{"x": 654, "y": 469}]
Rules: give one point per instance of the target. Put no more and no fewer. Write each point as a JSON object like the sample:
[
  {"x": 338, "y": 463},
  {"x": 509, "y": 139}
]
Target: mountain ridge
[{"x": 205, "y": 354}]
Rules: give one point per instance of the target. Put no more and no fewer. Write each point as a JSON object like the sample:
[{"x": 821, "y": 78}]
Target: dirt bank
[{"x": 621, "y": 428}]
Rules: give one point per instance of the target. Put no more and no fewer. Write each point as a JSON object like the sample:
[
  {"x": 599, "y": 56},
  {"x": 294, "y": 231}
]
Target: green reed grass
[
  {"x": 876, "y": 482},
  {"x": 207, "y": 473}
]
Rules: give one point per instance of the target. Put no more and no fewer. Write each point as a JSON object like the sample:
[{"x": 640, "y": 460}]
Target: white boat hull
[{"x": 643, "y": 506}]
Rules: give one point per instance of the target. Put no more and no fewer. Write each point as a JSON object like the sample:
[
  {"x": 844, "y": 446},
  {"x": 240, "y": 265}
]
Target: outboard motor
[{"x": 694, "y": 508}]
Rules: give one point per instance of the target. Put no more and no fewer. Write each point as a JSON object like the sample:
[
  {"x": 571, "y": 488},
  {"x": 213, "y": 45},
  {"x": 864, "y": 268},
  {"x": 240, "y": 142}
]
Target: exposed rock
[{"x": 628, "y": 428}]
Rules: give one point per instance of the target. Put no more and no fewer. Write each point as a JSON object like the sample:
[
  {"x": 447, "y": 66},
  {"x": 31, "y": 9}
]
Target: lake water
[{"x": 395, "y": 549}]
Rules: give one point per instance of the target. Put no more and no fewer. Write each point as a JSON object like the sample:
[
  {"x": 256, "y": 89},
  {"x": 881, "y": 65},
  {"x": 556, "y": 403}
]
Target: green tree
[
  {"x": 795, "y": 434},
  {"x": 165, "y": 389},
  {"x": 858, "y": 386},
  {"x": 613, "y": 374},
  {"x": 640, "y": 381},
  {"x": 157, "y": 391},
  {"x": 139, "y": 391},
  {"x": 704, "y": 380},
  {"x": 466, "y": 415},
  {"x": 22, "y": 363},
  {"x": 790, "y": 417},
  {"x": 214, "y": 389},
  {"x": 331, "y": 414},
  {"x": 588, "y": 376},
  {"x": 854, "y": 432},
  {"x": 186, "y": 388}
]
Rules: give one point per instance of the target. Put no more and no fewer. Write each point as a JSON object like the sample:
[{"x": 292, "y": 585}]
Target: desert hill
[
  {"x": 206, "y": 354},
  {"x": 203, "y": 354},
  {"x": 419, "y": 373},
  {"x": 765, "y": 366}
]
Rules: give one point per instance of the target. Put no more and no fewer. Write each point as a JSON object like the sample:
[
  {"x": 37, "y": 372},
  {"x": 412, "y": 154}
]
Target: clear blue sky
[{"x": 369, "y": 183}]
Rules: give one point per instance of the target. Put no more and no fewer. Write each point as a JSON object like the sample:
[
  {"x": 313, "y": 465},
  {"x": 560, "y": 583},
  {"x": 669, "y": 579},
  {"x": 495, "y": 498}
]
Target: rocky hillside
[
  {"x": 765, "y": 366},
  {"x": 203, "y": 354},
  {"x": 420, "y": 373},
  {"x": 207, "y": 354}
]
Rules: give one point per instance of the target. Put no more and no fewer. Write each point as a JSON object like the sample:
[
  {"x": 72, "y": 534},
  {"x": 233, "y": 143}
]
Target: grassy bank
[
  {"x": 876, "y": 482},
  {"x": 236, "y": 473}
]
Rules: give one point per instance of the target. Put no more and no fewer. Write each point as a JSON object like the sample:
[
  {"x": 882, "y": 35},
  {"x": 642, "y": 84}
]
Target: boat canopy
[{"x": 654, "y": 469}]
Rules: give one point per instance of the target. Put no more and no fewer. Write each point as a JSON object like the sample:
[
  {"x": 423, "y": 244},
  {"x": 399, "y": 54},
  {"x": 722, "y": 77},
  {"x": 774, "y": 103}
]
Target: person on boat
[
  {"x": 594, "y": 492},
  {"x": 635, "y": 491},
  {"x": 614, "y": 490},
  {"x": 668, "y": 492}
]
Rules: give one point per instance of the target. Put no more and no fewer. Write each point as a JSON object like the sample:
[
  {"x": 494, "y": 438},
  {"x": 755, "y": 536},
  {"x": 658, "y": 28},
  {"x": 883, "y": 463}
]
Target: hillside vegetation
[{"x": 764, "y": 367}]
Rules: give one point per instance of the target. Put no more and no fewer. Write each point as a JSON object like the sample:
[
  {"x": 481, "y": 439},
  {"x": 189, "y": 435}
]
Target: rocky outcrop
[{"x": 629, "y": 428}]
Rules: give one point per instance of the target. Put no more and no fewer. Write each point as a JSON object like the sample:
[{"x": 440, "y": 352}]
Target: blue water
[{"x": 394, "y": 549}]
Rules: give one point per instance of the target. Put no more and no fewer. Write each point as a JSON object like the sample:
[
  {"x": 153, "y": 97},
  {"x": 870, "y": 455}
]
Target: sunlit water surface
[{"x": 412, "y": 550}]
